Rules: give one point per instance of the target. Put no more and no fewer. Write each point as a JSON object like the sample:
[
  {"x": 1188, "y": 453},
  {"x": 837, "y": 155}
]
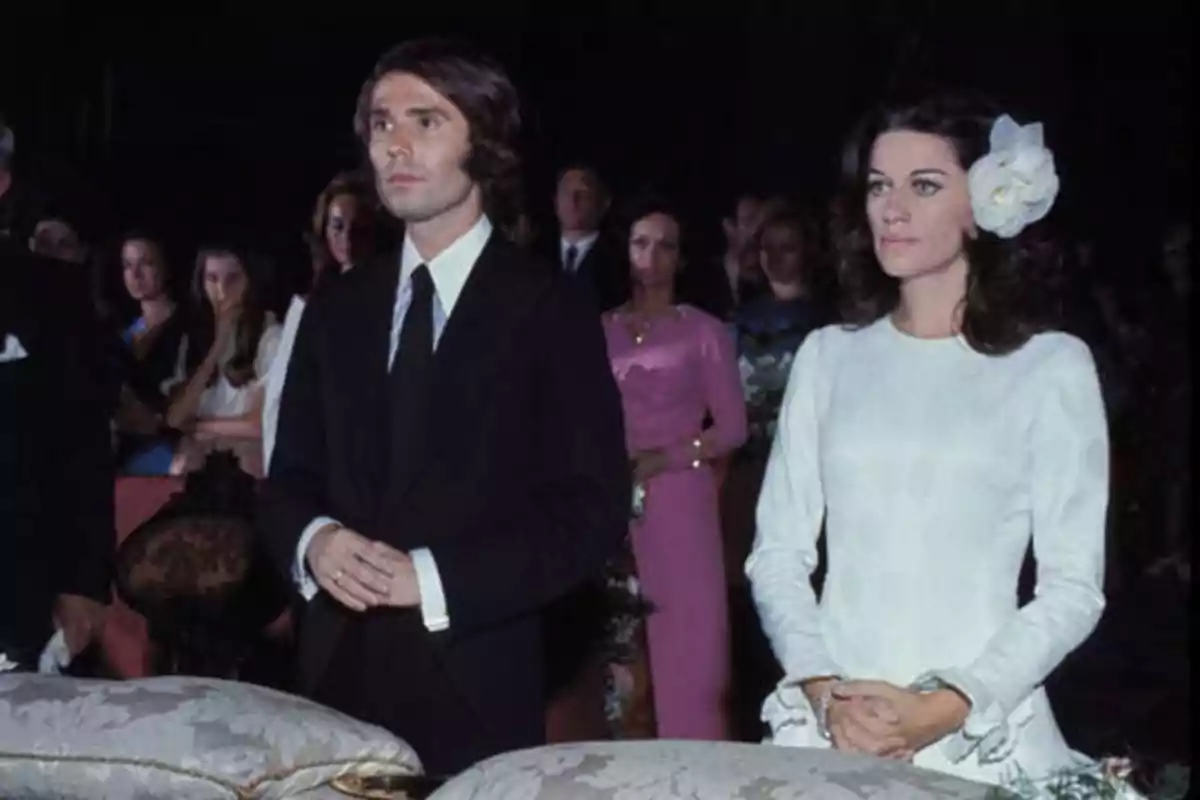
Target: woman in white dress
[
  {"x": 223, "y": 365},
  {"x": 935, "y": 434}
]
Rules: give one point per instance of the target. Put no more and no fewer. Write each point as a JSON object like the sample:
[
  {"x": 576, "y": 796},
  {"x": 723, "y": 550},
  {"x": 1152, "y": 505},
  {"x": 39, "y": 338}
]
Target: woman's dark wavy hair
[
  {"x": 253, "y": 321},
  {"x": 1011, "y": 283},
  {"x": 482, "y": 91}
]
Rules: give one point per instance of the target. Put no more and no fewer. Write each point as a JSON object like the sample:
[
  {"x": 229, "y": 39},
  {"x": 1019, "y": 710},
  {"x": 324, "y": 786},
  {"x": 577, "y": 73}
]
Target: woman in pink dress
[{"x": 676, "y": 368}]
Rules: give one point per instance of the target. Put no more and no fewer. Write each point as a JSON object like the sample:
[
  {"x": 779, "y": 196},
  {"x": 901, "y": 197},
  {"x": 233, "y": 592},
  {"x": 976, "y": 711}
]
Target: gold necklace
[{"x": 640, "y": 326}]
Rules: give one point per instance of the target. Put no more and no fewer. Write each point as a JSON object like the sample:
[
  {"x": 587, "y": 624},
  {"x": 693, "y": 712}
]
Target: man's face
[
  {"x": 749, "y": 215},
  {"x": 57, "y": 239},
  {"x": 418, "y": 145},
  {"x": 580, "y": 201}
]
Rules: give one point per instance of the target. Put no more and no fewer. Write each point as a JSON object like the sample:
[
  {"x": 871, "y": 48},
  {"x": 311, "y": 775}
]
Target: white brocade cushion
[
  {"x": 179, "y": 738},
  {"x": 677, "y": 770}
]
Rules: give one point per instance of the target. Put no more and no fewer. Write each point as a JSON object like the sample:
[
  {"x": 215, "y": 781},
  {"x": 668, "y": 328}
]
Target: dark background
[{"x": 240, "y": 116}]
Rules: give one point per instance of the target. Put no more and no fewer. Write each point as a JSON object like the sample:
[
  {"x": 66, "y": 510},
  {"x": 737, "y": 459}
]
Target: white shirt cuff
[
  {"x": 433, "y": 596},
  {"x": 301, "y": 575}
]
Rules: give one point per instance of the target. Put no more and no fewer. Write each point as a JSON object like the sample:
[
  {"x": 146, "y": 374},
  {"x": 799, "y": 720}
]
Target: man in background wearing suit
[
  {"x": 56, "y": 467},
  {"x": 450, "y": 451},
  {"x": 582, "y": 251}
]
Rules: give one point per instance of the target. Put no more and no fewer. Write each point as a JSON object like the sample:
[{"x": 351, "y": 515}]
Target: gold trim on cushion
[{"x": 243, "y": 792}]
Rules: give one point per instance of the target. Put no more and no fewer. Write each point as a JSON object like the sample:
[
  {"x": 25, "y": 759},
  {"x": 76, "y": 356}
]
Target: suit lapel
[
  {"x": 379, "y": 306},
  {"x": 471, "y": 324},
  {"x": 358, "y": 361},
  {"x": 369, "y": 323},
  {"x": 587, "y": 265},
  {"x": 477, "y": 328}
]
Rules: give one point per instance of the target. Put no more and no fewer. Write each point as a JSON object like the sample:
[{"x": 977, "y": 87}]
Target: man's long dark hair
[{"x": 479, "y": 88}]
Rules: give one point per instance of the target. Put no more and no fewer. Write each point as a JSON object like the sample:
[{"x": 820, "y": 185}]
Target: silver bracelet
[{"x": 928, "y": 683}]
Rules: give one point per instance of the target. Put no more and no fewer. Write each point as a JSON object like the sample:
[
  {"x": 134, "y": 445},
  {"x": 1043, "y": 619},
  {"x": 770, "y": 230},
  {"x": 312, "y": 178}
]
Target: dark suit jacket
[
  {"x": 603, "y": 274},
  {"x": 57, "y": 517},
  {"x": 523, "y": 494}
]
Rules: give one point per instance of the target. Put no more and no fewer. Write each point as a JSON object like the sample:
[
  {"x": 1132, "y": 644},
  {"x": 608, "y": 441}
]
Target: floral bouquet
[
  {"x": 1108, "y": 779},
  {"x": 624, "y": 632},
  {"x": 764, "y": 379}
]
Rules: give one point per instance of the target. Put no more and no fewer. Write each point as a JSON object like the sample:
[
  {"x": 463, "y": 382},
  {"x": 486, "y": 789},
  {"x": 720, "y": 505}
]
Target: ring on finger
[{"x": 337, "y": 576}]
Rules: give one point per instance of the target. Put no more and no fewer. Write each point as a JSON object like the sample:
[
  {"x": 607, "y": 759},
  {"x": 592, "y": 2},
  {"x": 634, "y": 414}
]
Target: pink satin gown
[{"x": 683, "y": 370}]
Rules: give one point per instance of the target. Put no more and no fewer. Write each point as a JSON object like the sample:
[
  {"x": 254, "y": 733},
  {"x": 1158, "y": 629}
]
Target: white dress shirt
[
  {"x": 932, "y": 466},
  {"x": 449, "y": 271},
  {"x": 582, "y": 246}
]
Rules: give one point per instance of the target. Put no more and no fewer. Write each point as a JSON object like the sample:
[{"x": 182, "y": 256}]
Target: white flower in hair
[{"x": 1015, "y": 184}]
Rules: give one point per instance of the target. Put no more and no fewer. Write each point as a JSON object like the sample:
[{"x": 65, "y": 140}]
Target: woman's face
[
  {"x": 780, "y": 253},
  {"x": 917, "y": 204},
  {"x": 338, "y": 220},
  {"x": 224, "y": 282},
  {"x": 142, "y": 270},
  {"x": 654, "y": 250}
]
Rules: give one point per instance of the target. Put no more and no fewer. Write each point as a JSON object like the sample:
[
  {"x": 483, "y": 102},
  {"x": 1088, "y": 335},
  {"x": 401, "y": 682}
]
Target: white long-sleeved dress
[{"x": 932, "y": 466}]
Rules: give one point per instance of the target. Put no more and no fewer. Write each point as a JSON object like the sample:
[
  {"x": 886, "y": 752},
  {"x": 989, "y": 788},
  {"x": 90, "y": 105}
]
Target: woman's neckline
[
  {"x": 932, "y": 341},
  {"x": 638, "y": 327},
  {"x": 672, "y": 310}
]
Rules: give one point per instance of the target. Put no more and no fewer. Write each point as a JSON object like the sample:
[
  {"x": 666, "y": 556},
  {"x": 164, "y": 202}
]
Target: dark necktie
[
  {"x": 409, "y": 379},
  {"x": 570, "y": 259}
]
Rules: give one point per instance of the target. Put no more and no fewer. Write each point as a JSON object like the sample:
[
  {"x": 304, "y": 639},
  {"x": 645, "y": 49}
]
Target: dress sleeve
[
  {"x": 1069, "y": 485},
  {"x": 276, "y": 376},
  {"x": 268, "y": 348},
  {"x": 791, "y": 507},
  {"x": 723, "y": 388}
]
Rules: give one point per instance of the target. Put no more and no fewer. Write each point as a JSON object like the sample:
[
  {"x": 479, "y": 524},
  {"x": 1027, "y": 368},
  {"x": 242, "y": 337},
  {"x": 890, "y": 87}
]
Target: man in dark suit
[
  {"x": 582, "y": 251},
  {"x": 56, "y": 467},
  {"x": 450, "y": 451}
]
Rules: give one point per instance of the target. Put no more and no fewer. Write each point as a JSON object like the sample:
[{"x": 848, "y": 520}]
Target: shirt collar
[
  {"x": 582, "y": 246},
  {"x": 451, "y": 267}
]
